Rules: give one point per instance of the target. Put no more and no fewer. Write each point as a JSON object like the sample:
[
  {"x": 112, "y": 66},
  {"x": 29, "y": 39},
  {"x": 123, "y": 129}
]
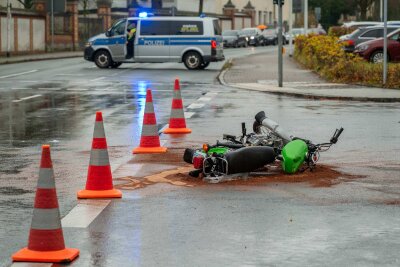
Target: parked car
[
  {"x": 358, "y": 24},
  {"x": 233, "y": 38},
  {"x": 270, "y": 36},
  {"x": 373, "y": 50},
  {"x": 254, "y": 35},
  {"x": 317, "y": 31},
  {"x": 363, "y": 34}
]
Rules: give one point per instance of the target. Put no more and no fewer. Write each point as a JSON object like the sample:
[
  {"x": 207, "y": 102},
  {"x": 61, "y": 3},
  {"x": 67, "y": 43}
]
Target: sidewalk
[
  {"x": 260, "y": 73},
  {"x": 36, "y": 57}
]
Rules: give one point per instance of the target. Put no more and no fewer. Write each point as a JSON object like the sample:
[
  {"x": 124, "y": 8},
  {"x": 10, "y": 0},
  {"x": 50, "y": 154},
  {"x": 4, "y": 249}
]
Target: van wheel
[
  {"x": 204, "y": 65},
  {"x": 103, "y": 59},
  {"x": 192, "y": 60},
  {"x": 116, "y": 65}
]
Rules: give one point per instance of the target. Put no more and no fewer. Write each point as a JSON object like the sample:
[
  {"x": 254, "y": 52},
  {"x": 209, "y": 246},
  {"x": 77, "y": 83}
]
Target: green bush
[{"x": 324, "y": 55}]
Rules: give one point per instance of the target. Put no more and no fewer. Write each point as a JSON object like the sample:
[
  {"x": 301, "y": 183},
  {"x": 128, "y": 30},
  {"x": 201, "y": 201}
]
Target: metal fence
[{"x": 89, "y": 27}]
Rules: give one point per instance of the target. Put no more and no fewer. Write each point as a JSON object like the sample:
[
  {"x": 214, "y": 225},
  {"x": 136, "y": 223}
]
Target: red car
[{"x": 373, "y": 50}]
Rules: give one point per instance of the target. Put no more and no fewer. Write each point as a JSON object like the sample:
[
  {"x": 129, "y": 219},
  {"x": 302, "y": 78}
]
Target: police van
[{"x": 195, "y": 41}]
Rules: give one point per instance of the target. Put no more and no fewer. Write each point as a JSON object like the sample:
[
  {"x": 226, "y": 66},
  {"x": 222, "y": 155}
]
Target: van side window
[
  {"x": 187, "y": 28},
  {"x": 217, "y": 28},
  {"x": 154, "y": 27}
]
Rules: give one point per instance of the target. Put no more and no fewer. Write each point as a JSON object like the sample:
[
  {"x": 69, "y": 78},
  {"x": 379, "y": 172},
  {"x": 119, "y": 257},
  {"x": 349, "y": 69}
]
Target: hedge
[{"x": 324, "y": 55}]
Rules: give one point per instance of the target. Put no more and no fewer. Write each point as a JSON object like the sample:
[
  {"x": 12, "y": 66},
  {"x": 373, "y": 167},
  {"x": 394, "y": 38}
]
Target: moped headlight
[{"x": 252, "y": 37}]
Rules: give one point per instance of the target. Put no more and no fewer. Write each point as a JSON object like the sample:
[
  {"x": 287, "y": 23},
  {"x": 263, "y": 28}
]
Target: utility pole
[
  {"x": 290, "y": 28},
  {"x": 201, "y": 3},
  {"x": 8, "y": 28},
  {"x": 305, "y": 17},
  {"x": 381, "y": 10},
  {"x": 385, "y": 41},
  {"x": 280, "y": 39},
  {"x": 52, "y": 25}
]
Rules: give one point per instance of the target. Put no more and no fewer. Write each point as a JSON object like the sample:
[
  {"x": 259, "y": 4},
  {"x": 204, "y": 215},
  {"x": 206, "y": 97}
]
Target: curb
[
  {"x": 278, "y": 91},
  {"x": 221, "y": 75},
  {"x": 319, "y": 97},
  {"x": 38, "y": 59}
]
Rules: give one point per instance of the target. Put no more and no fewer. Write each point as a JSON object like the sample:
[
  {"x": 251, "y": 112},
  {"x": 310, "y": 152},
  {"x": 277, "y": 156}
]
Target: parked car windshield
[
  {"x": 270, "y": 32},
  {"x": 249, "y": 31},
  {"x": 229, "y": 33}
]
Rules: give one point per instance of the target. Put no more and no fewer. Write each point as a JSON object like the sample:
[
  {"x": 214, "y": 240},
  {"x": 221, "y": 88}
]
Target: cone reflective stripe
[
  {"x": 46, "y": 239},
  {"x": 177, "y": 122},
  {"x": 150, "y": 140},
  {"x": 99, "y": 180}
]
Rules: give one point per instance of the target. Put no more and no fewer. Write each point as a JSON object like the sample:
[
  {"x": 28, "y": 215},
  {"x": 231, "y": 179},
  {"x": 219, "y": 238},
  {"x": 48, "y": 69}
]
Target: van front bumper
[{"x": 88, "y": 53}]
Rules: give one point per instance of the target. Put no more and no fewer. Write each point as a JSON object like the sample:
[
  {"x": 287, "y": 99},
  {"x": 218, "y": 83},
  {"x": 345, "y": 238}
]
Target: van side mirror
[{"x": 108, "y": 33}]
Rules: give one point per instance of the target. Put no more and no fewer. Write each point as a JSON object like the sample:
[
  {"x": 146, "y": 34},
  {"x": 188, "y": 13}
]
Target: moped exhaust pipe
[{"x": 273, "y": 126}]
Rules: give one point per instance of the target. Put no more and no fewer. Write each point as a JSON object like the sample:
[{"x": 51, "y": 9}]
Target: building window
[{"x": 260, "y": 17}]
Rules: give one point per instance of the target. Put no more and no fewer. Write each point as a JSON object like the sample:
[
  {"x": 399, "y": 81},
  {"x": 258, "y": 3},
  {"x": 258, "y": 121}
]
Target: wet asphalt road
[{"x": 290, "y": 225}]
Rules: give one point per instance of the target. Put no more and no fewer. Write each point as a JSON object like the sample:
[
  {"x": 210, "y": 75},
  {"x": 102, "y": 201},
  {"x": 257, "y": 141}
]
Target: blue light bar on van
[{"x": 143, "y": 15}]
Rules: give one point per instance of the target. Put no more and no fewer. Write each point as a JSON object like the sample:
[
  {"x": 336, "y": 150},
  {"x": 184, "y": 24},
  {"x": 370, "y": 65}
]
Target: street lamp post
[
  {"x": 305, "y": 16},
  {"x": 385, "y": 41},
  {"x": 52, "y": 25},
  {"x": 280, "y": 59},
  {"x": 8, "y": 28}
]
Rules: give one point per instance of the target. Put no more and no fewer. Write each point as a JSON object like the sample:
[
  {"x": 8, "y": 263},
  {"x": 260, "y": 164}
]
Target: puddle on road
[{"x": 322, "y": 176}]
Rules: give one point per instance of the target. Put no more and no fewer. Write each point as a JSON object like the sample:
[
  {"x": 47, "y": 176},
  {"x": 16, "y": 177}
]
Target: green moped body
[{"x": 294, "y": 154}]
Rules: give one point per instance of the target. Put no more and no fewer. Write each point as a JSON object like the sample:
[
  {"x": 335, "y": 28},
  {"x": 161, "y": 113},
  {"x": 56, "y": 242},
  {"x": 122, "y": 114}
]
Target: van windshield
[{"x": 118, "y": 28}]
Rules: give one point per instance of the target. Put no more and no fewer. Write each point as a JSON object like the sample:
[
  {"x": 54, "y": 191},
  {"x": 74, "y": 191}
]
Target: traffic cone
[
  {"x": 99, "y": 180},
  {"x": 46, "y": 239},
  {"x": 150, "y": 141},
  {"x": 177, "y": 122}
]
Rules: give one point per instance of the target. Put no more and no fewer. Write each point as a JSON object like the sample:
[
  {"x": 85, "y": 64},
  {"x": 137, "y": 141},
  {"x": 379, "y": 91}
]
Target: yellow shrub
[{"x": 324, "y": 55}]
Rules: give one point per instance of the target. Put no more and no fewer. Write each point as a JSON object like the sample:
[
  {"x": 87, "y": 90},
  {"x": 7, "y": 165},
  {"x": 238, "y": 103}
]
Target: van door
[
  {"x": 153, "y": 41},
  {"x": 117, "y": 40}
]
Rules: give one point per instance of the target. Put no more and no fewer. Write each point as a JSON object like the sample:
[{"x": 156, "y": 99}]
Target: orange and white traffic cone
[
  {"x": 150, "y": 141},
  {"x": 46, "y": 239},
  {"x": 99, "y": 180},
  {"x": 177, "y": 122}
]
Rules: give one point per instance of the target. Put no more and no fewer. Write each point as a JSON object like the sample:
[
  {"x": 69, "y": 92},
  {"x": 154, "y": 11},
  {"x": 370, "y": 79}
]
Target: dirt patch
[
  {"x": 177, "y": 173},
  {"x": 322, "y": 176}
]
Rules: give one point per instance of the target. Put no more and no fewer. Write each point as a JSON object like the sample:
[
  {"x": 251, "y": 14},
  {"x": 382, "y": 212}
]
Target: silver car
[{"x": 194, "y": 41}]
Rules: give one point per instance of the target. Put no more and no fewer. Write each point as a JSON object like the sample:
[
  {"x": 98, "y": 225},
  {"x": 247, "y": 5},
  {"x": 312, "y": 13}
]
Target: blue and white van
[{"x": 195, "y": 41}]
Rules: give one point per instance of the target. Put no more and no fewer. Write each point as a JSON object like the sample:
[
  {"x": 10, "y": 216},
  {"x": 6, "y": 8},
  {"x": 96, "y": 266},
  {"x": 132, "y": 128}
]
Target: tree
[
  {"x": 331, "y": 10},
  {"x": 363, "y": 6},
  {"x": 28, "y": 4},
  {"x": 156, "y": 4}
]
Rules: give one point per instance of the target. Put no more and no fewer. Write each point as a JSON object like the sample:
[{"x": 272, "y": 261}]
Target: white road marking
[
  {"x": 211, "y": 94},
  {"x": 204, "y": 99},
  {"x": 195, "y": 106},
  {"x": 20, "y": 88},
  {"x": 188, "y": 115},
  {"x": 50, "y": 88},
  {"x": 31, "y": 264},
  {"x": 17, "y": 74},
  {"x": 28, "y": 81},
  {"x": 162, "y": 129},
  {"x": 77, "y": 89},
  {"x": 26, "y": 98},
  {"x": 83, "y": 214},
  {"x": 98, "y": 79},
  {"x": 77, "y": 74}
]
